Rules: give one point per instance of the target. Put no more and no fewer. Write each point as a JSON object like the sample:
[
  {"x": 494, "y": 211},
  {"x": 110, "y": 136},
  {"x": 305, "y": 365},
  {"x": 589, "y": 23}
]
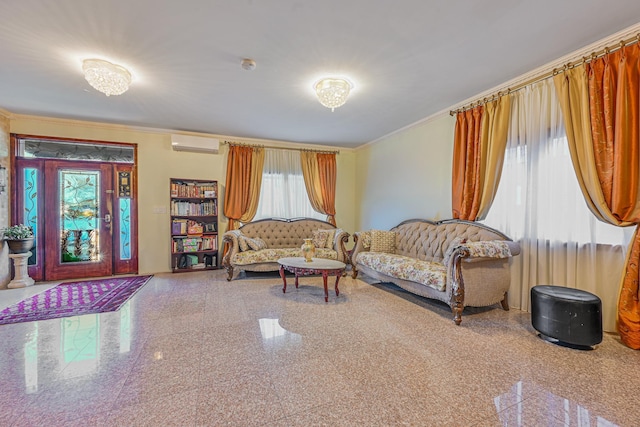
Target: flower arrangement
[{"x": 17, "y": 232}]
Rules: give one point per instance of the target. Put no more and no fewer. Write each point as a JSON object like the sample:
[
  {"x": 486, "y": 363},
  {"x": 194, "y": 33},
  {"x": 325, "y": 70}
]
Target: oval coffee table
[{"x": 299, "y": 267}]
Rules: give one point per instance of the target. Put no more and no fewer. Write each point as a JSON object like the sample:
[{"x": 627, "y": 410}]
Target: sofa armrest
[
  {"x": 357, "y": 248},
  {"x": 474, "y": 252},
  {"x": 339, "y": 241},
  {"x": 230, "y": 238}
]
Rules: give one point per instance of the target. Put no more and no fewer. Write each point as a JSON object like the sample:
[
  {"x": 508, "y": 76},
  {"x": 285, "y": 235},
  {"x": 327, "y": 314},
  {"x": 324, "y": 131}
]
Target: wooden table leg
[
  {"x": 284, "y": 279},
  {"x": 296, "y": 279},
  {"x": 338, "y": 275},
  {"x": 324, "y": 279}
]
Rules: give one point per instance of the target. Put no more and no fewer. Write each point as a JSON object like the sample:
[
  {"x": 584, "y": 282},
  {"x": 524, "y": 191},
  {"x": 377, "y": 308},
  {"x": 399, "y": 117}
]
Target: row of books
[
  {"x": 189, "y": 208},
  {"x": 188, "y": 226},
  {"x": 194, "y": 189},
  {"x": 189, "y": 261},
  {"x": 195, "y": 244}
]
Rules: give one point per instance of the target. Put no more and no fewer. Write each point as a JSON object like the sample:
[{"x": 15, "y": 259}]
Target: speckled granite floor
[{"x": 196, "y": 350}]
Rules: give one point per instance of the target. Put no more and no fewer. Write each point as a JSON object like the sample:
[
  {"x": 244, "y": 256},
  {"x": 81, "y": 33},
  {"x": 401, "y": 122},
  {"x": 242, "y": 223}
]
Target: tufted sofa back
[
  {"x": 428, "y": 240},
  {"x": 284, "y": 233}
]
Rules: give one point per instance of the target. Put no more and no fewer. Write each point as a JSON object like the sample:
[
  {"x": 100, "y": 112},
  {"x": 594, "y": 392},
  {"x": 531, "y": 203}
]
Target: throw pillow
[
  {"x": 366, "y": 239},
  {"x": 329, "y": 242},
  {"x": 383, "y": 241},
  {"x": 332, "y": 235},
  {"x": 319, "y": 239},
  {"x": 454, "y": 244},
  {"x": 242, "y": 242},
  {"x": 256, "y": 244}
]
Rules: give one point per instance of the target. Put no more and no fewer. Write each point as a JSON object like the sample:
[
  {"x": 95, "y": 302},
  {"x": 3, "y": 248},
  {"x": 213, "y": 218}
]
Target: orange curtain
[
  {"x": 244, "y": 178},
  {"x": 478, "y": 154},
  {"x": 466, "y": 163},
  {"x": 319, "y": 172},
  {"x": 614, "y": 85},
  {"x": 603, "y": 132},
  {"x": 327, "y": 172}
]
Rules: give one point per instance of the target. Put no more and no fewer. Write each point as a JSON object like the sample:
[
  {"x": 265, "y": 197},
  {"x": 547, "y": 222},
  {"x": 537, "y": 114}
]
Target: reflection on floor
[{"x": 194, "y": 349}]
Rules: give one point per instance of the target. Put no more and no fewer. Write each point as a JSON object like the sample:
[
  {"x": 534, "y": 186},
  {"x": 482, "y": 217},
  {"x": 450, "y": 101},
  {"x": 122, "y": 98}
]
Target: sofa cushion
[
  {"x": 427, "y": 273},
  {"x": 383, "y": 241},
  {"x": 273, "y": 255}
]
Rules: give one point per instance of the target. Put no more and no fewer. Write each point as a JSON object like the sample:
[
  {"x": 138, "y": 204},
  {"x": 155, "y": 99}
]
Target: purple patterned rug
[{"x": 74, "y": 299}]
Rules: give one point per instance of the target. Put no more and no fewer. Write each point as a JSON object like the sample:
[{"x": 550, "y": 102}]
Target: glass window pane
[
  {"x": 30, "y": 201},
  {"x": 80, "y": 201},
  {"x": 125, "y": 229},
  {"x": 47, "y": 149}
]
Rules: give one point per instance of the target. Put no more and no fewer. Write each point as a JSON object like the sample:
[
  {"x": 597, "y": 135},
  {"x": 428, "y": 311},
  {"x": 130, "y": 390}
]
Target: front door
[
  {"x": 78, "y": 215},
  {"x": 83, "y": 210}
]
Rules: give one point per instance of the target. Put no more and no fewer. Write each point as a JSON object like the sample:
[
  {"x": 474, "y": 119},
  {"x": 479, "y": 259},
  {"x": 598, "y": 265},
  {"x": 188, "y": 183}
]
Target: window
[
  {"x": 283, "y": 193},
  {"x": 539, "y": 194}
]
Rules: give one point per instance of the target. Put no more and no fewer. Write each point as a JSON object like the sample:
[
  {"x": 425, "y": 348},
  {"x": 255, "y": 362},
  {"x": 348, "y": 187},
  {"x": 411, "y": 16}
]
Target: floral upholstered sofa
[
  {"x": 257, "y": 246},
  {"x": 462, "y": 263}
]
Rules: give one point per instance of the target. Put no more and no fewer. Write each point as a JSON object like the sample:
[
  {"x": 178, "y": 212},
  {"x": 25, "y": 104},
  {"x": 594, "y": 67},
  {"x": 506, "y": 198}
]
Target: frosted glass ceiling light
[
  {"x": 332, "y": 92},
  {"x": 108, "y": 78}
]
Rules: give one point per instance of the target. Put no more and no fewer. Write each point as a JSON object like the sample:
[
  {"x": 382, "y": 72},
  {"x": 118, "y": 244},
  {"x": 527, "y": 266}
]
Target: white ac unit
[{"x": 196, "y": 144}]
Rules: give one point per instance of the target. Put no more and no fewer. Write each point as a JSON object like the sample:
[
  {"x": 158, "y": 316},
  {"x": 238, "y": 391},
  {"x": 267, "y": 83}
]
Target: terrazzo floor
[{"x": 196, "y": 350}]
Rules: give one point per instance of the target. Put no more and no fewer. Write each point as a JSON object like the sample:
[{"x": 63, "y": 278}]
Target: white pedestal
[{"x": 21, "y": 279}]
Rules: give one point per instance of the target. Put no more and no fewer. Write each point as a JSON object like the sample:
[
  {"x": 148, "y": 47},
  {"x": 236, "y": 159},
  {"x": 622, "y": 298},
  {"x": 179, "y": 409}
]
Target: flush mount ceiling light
[
  {"x": 332, "y": 92},
  {"x": 108, "y": 78}
]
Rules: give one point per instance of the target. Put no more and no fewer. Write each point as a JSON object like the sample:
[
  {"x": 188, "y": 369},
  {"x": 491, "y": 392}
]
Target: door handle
[{"x": 107, "y": 218}]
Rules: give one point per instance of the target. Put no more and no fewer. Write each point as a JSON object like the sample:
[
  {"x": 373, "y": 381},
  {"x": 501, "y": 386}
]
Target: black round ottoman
[{"x": 567, "y": 316}]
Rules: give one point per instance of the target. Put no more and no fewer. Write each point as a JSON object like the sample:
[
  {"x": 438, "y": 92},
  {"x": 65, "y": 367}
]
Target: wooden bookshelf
[{"x": 194, "y": 224}]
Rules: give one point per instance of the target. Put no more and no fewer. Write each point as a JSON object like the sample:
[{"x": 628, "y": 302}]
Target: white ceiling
[{"x": 408, "y": 59}]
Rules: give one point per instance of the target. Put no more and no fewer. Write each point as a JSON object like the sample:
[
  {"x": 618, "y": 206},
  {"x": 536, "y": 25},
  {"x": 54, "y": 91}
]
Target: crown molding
[{"x": 168, "y": 132}]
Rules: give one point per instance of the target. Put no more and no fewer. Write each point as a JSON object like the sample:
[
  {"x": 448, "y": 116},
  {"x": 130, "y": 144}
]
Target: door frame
[{"x": 123, "y": 184}]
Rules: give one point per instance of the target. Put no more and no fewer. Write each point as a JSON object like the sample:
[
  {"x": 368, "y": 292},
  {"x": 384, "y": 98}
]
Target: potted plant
[{"x": 19, "y": 237}]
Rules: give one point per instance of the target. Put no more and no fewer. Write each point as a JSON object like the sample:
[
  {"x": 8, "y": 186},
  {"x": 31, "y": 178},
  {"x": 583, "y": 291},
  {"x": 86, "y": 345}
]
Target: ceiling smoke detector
[{"x": 248, "y": 64}]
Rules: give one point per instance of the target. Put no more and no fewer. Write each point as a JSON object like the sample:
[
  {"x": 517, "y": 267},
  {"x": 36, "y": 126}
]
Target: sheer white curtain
[
  {"x": 283, "y": 193},
  {"x": 539, "y": 204}
]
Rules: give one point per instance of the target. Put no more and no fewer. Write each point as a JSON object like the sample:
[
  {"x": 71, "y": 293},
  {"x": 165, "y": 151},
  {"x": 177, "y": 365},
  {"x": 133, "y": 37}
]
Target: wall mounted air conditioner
[{"x": 197, "y": 144}]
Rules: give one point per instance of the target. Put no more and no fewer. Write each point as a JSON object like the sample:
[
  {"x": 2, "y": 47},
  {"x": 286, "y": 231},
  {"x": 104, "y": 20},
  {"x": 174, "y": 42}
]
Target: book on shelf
[
  {"x": 194, "y": 227},
  {"x": 195, "y": 244},
  {"x": 195, "y": 209},
  {"x": 194, "y": 189}
]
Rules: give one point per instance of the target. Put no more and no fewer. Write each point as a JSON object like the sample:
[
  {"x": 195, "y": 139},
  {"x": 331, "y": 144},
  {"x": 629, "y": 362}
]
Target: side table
[{"x": 21, "y": 279}]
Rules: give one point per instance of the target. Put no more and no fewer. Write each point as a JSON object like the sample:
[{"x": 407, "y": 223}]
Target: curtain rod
[
  {"x": 309, "y": 150},
  {"x": 594, "y": 55}
]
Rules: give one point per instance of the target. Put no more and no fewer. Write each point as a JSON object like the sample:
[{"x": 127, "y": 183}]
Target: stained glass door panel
[{"x": 79, "y": 202}]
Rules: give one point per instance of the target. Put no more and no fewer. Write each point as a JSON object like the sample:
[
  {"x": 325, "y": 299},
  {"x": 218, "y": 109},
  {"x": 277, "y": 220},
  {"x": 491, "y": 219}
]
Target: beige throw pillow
[
  {"x": 383, "y": 241},
  {"x": 331, "y": 234},
  {"x": 256, "y": 244},
  {"x": 366, "y": 239},
  {"x": 242, "y": 242},
  {"x": 319, "y": 239},
  {"x": 247, "y": 243}
]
